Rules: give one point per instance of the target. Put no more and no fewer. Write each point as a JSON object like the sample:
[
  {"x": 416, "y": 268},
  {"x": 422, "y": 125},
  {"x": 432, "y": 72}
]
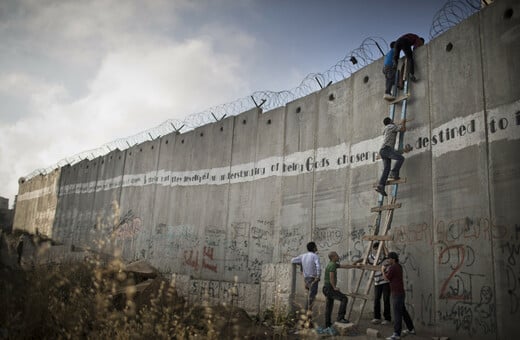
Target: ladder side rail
[
  {"x": 401, "y": 133},
  {"x": 353, "y": 297},
  {"x": 356, "y": 290},
  {"x": 389, "y": 218},
  {"x": 360, "y": 279},
  {"x": 366, "y": 291},
  {"x": 377, "y": 221}
]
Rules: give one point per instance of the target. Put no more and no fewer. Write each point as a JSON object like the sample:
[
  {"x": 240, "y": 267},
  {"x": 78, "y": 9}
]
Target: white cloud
[{"x": 136, "y": 86}]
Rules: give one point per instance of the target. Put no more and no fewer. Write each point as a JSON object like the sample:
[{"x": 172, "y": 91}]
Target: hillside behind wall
[{"x": 224, "y": 207}]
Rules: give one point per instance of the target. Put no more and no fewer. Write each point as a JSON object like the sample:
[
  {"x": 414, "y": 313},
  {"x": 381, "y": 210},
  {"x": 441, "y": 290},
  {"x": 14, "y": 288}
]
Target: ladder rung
[
  {"x": 359, "y": 296},
  {"x": 386, "y": 207},
  {"x": 399, "y": 99},
  {"x": 378, "y": 237},
  {"x": 368, "y": 267},
  {"x": 391, "y": 182}
]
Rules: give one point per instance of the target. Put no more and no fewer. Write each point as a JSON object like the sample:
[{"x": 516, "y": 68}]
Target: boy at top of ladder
[
  {"x": 405, "y": 43},
  {"x": 389, "y": 69}
]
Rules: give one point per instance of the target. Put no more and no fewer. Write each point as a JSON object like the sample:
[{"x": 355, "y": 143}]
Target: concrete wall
[{"x": 225, "y": 206}]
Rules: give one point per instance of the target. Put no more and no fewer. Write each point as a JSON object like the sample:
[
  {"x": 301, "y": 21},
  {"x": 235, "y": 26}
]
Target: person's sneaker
[
  {"x": 393, "y": 337},
  {"x": 343, "y": 320},
  {"x": 408, "y": 331},
  {"x": 376, "y": 321},
  {"x": 393, "y": 176},
  {"x": 388, "y": 97},
  {"x": 330, "y": 330},
  {"x": 380, "y": 189},
  {"x": 385, "y": 322}
]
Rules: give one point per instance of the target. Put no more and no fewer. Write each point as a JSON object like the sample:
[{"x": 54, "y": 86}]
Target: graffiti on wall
[
  {"x": 129, "y": 225},
  {"x": 454, "y": 231},
  {"x": 262, "y": 248},
  {"x": 221, "y": 291},
  {"x": 512, "y": 278},
  {"x": 358, "y": 248},
  {"x": 212, "y": 252},
  {"x": 328, "y": 236},
  {"x": 465, "y": 295},
  {"x": 291, "y": 240},
  {"x": 237, "y": 247},
  {"x": 472, "y": 317}
]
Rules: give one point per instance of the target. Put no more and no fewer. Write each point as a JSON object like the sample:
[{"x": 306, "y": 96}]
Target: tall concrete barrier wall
[
  {"x": 36, "y": 203},
  {"x": 224, "y": 207}
]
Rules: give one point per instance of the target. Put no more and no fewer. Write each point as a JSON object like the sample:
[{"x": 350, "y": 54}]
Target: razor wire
[
  {"x": 453, "y": 12},
  {"x": 370, "y": 49}
]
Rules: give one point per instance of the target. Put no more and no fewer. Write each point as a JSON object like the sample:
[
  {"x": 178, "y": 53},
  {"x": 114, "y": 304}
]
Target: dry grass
[{"x": 81, "y": 301}]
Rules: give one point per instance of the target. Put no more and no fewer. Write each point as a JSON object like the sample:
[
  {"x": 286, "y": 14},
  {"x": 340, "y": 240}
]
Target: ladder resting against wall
[{"x": 383, "y": 212}]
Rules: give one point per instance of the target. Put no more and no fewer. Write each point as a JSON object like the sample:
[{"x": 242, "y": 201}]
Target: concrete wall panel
[
  {"x": 175, "y": 231},
  {"x": 460, "y": 184},
  {"x": 266, "y": 194},
  {"x": 22, "y": 204},
  {"x": 195, "y": 153},
  {"x": 46, "y": 210},
  {"x": 137, "y": 198},
  {"x": 36, "y": 185},
  {"x": 84, "y": 222},
  {"x": 105, "y": 213},
  {"x": 194, "y": 215},
  {"x": 365, "y": 142},
  {"x": 500, "y": 37},
  {"x": 73, "y": 195},
  {"x": 499, "y": 29},
  {"x": 161, "y": 237},
  {"x": 240, "y": 227},
  {"x": 296, "y": 207},
  {"x": 59, "y": 230},
  {"x": 296, "y": 219},
  {"x": 215, "y": 241},
  {"x": 331, "y": 175}
]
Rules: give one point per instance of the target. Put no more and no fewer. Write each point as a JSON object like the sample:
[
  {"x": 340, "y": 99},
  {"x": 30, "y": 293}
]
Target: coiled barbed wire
[
  {"x": 453, "y": 12},
  {"x": 371, "y": 49}
]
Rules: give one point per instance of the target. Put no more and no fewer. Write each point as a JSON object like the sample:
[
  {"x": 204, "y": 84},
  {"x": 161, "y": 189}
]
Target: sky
[{"x": 78, "y": 74}]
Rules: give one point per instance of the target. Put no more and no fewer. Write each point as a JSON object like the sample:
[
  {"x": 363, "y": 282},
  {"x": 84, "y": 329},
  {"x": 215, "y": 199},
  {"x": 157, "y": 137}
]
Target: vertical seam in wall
[
  {"x": 488, "y": 162},
  {"x": 98, "y": 168},
  {"x": 432, "y": 215},
  {"x": 156, "y": 185},
  {"x": 286, "y": 114},
  {"x": 122, "y": 177},
  {"x": 228, "y": 226},
  {"x": 346, "y": 182},
  {"x": 258, "y": 113},
  {"x": 315, "y": 146}
]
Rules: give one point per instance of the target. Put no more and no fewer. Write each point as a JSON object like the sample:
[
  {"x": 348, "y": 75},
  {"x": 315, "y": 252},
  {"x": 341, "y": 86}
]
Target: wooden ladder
[{"x": 361, "y": 291}]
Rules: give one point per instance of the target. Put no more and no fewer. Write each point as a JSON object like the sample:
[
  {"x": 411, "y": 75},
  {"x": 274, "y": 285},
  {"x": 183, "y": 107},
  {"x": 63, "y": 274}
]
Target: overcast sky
[{"x": 78, "y": 74}]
